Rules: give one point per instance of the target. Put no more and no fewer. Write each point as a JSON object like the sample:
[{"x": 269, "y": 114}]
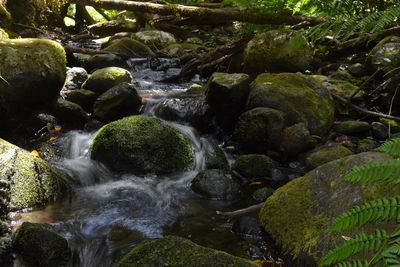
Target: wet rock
[
  {"x": 141, "y": 144},
  {"x": 326, "y": 154},
  {"x": 247, "y": 227},
  {"x": 394, "y": 125},
  {"x": 32, "y": 181},
  {"x": 38, "y": 245},
  {"x": 32, "y": 71},
  {"x": 351, "y": 127},
  {"x": 260, "y": 195},
  {"x": 379, "y": 130},
  {"x": 214, "y": 157},
  {"x": 253, "y": 166},
  {"x": 129, "y": 47},
  {"x": 216, "y": 184},
  {"x": 300, "y": 98},
  {"x": 119, "y": 101},
  {"x": 358, "y": 70},
  {"x": 178, "y": 252},
  {"x": 297, "y": 216},
  {"x": 93, "y": 125},
  {"x": 76, "y": 76},
  {"x": 82, "y": 97},
  {"x": 366, "y": 144},
  {"x": 103, "y": 61},
  {"x": 155, "y": 39},
  {"x": 385, "y": 55},
  {"x": 103, "y": 79},
  {"x": 70, "y": 113},
  {"x": 259, "y": 129},
  {"x": 277, "y": 51},
  {"x": 295, "y": 139},
  {"x": 227, "y": 94},
  {"x": 184, "y": 49},
  {"x": 193, "y": 110},
  {"x": 340, "y": 87},
  {"x": 3, "y": 34}
]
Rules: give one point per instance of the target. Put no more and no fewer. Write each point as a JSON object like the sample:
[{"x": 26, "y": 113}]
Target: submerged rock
[
  {"x": 216, "y": 184},
  {"x": 141, "y": 144},
  {"x": 253, "y": 166},
  {"x": 297, "y": 216},
  {"x": 31, "y": 181},
  {"x": 129, "y": 47},
  {"x": 119, "y": 101},
  {"x": 38, "y": 245},
  {"x": 32, "y": 71},
  {"x": 155, "y": 39},
  {"x": 178, "y": 252},
  {"x": 103, "y": 79}
]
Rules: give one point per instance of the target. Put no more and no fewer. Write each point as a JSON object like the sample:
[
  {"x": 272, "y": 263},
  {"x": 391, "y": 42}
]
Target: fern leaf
[
  {"x": 389, "y": 256},
  {"x": 381, "y": 209},
  {"x": 391, "y": 147},
  {"x": 354, "y": 263},
  {"x": 360, "y": 243},
  {"x": 374, "y": 172}
]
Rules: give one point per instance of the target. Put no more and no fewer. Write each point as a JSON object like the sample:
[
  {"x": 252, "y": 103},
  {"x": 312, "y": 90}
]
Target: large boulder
[
  {"x": 227, "y": 93},
  {"x": 119, "y": 101},
  {"x": 141, "y": 144},
  {"x": 103, "y": 79},
  {"x": 297, "y": 216},
  {"x": 32, "y": 71},
  {"x": 178, "y": 252},
  {"x": 128, "y": 46},
  {"x": 39, "y": 245},
  {"x": 277, "y": 51},
  {"x": 301, "y": 99},
  {"x": 155, "y": 39},
  {"x": 31, "y": 181}
]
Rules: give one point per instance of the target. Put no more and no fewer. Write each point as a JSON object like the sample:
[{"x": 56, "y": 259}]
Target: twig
[
  {"x": 362, "y": 86},
  {"x": 364, "y": 111},
  {"x": 240, "y": 212}
]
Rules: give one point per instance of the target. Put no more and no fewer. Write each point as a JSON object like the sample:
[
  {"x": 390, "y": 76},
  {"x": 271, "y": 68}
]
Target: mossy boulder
[
  {"x": 130, "y": 47},
  {"x": 385, "y": 55},
  {"x": 277, "y": 51},
  {"x": 326, "y": 154},
  {"x": 226, "y": 94},
  {"x": 253, "y": 166},
  {"x": 33, "y": 71},
  {"x": 155, "y": 39},
  {"x": 297, "y": 216},
  {"x": 299, "y": 97},
  {"x": 214, "y": 156},
  {"x": 259, "y": 129},
  {"x": 340, "y": 87},
  {"x": 141, "y": 144},
  {"x": 352, "y": 127},
  {"x": 178, "y": 252},
  {"x": 39, "y": 245},
  {"x": 119, "y": 101},
  {"x": 32, "y": 181},
  {"x": 103, "y": 79}
]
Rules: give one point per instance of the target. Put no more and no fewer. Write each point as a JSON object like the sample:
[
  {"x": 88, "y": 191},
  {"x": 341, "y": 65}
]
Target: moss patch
[
  {"x": 128, "y": 46},
  {"x": 253, "y": 166},
  {"x": 103, "y": 79}
]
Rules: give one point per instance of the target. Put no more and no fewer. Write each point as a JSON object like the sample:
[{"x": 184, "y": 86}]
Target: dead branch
[{"x": 240, "y": 212}]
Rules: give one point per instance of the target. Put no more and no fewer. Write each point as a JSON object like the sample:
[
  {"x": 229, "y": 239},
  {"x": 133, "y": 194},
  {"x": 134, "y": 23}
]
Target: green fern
[
  {"x": 354, "y": 263},
  {"x": 391, "y": 147},
  {"x": 375, "y": 172}
]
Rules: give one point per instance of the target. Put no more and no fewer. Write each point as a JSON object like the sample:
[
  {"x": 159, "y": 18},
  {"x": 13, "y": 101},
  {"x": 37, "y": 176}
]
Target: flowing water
[{"x": 109, "y": 213}]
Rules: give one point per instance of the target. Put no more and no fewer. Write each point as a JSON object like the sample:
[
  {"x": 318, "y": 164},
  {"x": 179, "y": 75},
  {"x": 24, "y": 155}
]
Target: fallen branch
[
  {"x": 364, "y": 111},
  {"x": 240, "y": 212}
]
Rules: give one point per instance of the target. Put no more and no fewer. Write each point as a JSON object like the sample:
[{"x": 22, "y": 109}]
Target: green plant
[{"x": 384, "y": 247}]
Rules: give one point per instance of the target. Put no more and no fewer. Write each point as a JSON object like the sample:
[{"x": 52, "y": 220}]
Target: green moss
[
  {"x": 299, "y": 97},
  {"x": 327, "y": 154},
  {"x": 38, "y": 245},
  {"x": 142, "y": 144},
  {"x": 3, "y": 34},
  {"x": 103, "y": 79},
  {"x": 253, "y": 166},
  {"x": 352, "y": 127},
  {"x": 178, "y": 252},
  {"x": 128, "y": 46},
  {"x": 294, "y": 203},
  {"x": 155, "y": 39}
]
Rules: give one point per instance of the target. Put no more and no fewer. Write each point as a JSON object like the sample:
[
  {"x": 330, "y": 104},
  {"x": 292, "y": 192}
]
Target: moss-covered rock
[
  {"x": 70, "y": 113},
  {"x": 32, "y": 70},
  {"x": 295, "y": 139},
  {"x": 253, "y": 166},
  {"x": 260, "y": 195},
  {"x": 259, "y": 129},
  {"x": 227, "y": 93},
  {"x": 214, "y": 157},
  {"x": 103, "y": 79},
  {"x": 3, "y": 34},
  {"x": 82, "y": 97},
  {"x": 351, "y": 127},
  {"x": 155, "y": 39},
  {"x": 277, "y": 51},
  {"x": 184, "y": 49},
  {"x": 33, "y": 182},
  {"x": 340, "y": 87},
  {"x": 299, "y": 97},
  {"x": 130, "y": 47},
  {"x": 178, "y": 252},
  {"x": 38, "y": 245},
  {"x": 297, "y": 216},
  {"x": 326, "y": 154},
  {"x": 141, "y": 144}
]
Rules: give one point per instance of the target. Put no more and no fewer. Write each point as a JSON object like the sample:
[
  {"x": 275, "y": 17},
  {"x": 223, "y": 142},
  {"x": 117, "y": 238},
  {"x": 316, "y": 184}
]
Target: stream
[{"x": 110, "y": 213}]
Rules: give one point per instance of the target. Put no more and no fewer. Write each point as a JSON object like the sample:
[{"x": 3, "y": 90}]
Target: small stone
[
  {"x": 260, "y": 195},
  {"x": 351, "y": 127},
  {"x": 247, "y": 227},
  {"x": 253, "y": 166},
  {"x": 379, "y": 130},
  {"x": 358, "y": 70},
  {"x": 326, "y": 154},
  {"x": 295, "y": 139},
  {"x": 103, "y": 79}
]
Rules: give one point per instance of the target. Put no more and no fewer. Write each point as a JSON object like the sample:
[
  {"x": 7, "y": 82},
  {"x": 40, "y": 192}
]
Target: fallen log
[
  {"x": 240, "y": 212},
  {"x": 211, "y": 15}
]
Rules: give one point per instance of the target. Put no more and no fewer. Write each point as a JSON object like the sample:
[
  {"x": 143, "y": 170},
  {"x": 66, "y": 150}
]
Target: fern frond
[
  {"x": 381, "y": 209},
  {"x": 391, "y": 147},
  {"x": 360, "y": 243},
  {"x": 374, "y": 172},
  {"x": 389, "y": 256},
  {"x": 354, "y": 263}
]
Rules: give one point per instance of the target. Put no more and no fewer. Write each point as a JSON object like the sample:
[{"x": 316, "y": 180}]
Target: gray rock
[
  {"x": 379, "y": 130},
  {"x": 76, "y": 76},
  {"x": 326, "y": 154},
  {"x": 295, "y": 139}
]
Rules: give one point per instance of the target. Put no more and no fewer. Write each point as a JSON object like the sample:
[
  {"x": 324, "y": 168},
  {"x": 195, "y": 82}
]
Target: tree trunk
[{"x": 212, "y": 15}]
